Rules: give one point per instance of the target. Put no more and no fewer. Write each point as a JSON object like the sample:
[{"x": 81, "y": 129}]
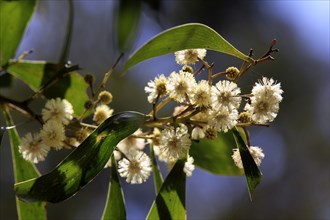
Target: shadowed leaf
[
  {"x": 214, "y": 156},
  {"x": 83, "y": 164},
  {"x": 251, "y": 170},
  {"x": 170, "y": 202}
]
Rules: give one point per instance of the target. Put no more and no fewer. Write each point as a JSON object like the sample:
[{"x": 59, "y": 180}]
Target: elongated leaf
[
  {"x": 14, "y": 17},
  {"x": 115, "y": 205},
  {"x": 158, "y": 178},
  {"x": 215, "y": 155},
  {"x": 83, "y": 164},
  {"x": 127, "y": 21},
  {"x": 38, "y": 74},
  {"x": 187, "y": 36},
  {"x": 23, "y": 170},
  {"x": 251, "y": 170},
  {"x": 170, "y": 202}
]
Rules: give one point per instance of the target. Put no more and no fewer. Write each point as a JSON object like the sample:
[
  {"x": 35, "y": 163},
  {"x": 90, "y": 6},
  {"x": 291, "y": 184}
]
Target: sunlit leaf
[
  {"x": 83, "y": 164},
  {"x": 127, "y": 21},
  {"x": 187, "y": 36},
  {"x": 115, "y": 205},
  {"x": 214, "y": 156},
  {"x": 40, "y": 74},
  {"x": 251, "y": 170},
  {"x": 14, "y": 17},
  {"x": 170, "y": 202},
  {"x": 23, "y": 170},
  {"x": 158, "y": 178}
]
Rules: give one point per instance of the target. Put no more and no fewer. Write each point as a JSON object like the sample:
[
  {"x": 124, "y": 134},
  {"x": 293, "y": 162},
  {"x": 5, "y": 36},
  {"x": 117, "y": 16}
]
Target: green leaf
[
  {"x": 14, "y": 17},
  {"x": 23, "y": 170},
  {"x": 115, "y": 206},
  {"x": 251, "y": 170},
  {"x": 158, "y": 178},
  {"x": 84, "y": 163},
  {"x": 40, "y": 74},
  {"x": 127, "y": 21},
  {"x": 187, "y": 36},
  {"x": 170, "y": 201},
  {"x": 215, "y": 155}
]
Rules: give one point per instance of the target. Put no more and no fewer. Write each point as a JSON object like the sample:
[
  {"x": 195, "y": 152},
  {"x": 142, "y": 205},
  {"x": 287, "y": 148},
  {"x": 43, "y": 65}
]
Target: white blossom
[
  {"x": 136, "y": 167},
  {"x": 52, "y": 134},
  {"x": 189, "y": 166},
  {"x": 201, "y": 95},
  {"x": 189, "y": 56},
  {"x": 59, "y": 110},
  {"x": 102, "y": 112},
  {"x": 225, "y": 94},
  {"x": 256, "y": 153},
  {"x": 32, "y": 148},
  {"x": 180, "y": 85},
  {"x": 266, "y": 96},
  {"x": 223, "y": 119},
  {"x": 156, "y": 88},
  {"x": 174, "y": 143}
]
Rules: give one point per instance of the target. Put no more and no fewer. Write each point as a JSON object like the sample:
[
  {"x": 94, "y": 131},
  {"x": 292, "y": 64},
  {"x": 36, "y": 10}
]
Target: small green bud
[
  {"x": 232, "y": 72},
  {"x": 88, "y": 105},
  {"x": 187, "y": 68},
  {"x": 89, "y": 78},
  {"x": 105, "y": 97}
]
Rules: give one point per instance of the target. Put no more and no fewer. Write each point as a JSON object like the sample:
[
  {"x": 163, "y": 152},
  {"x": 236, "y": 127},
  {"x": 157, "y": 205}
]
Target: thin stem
[{"x": 68, "y": 36}]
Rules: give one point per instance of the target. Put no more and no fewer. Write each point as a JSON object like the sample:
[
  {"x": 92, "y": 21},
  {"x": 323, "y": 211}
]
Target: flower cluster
[
  {"x": 58, "y": 128},
  {"x": 203, "y": 109}
]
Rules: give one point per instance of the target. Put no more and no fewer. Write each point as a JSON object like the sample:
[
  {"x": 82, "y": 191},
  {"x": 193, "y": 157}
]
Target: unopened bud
[
  {"x": 105, "y": 97},
  {"x": 232, "y": 72},
  {"x": 89, "y": 78}
]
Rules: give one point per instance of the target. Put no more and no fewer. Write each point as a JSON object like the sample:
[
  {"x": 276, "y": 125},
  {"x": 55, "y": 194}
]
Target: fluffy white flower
[
  {"x": 201, "y": 95},
  {"x": 223, "y": 119},
  {"x": 225, "y": 94},
  {"x": 59, "y": 110},
  {"x": 52, "y": 134},
  {"x": 174, "y": 143},
  {"x": 256, "y": 153},
  {"x": 189, "y": 166},
  {"x": 189, "y": 56},
  {"x": 265, "y": 101},
  {"x": 136, "y": 168},
  {"x": 32, "y": 148},
  {"x": 180, "y": 85},
  {"x": 102, "y": 112},
  {"x": 156, "y": 88}
]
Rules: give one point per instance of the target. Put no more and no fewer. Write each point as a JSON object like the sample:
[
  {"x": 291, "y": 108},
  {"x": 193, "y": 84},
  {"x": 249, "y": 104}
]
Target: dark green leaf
[
  {"x": 14, "y": 17},
  {"x": 158, "y": 178},
  {"x": 215, "y": 155},
  {"x": 6, "y": 80},
  {"x": 251, "y": 170},
  {"x": 127, "y": 21},
  {"x": 84, "y": 163},
  {"x": 23, "y": 170},
  {"x": 170, "y": 202},
  {"x": 115, "y": 206},
  {"x": 187, "y": 36},
  {"x": 40, "y": 74}
]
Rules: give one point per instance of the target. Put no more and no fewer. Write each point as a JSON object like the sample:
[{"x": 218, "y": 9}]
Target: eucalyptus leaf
[
  {"x": 214, "y": 156},
  {"x": 187, "y": 36},
  {"x": 126, "y": 23},
  {"x": 251, "y": 170},
  {"x": 115, "y": 205},
  {"x": 23, "y": 170},
  {"x": 170, "y": 202},
  {"x": 158, "y": 178},
  {"x": 14, "y": 18},
  {"x": 84, "y": 163}
]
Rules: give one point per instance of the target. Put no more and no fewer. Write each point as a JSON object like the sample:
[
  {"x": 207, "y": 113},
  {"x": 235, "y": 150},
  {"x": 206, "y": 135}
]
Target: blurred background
[{"x": 295, "y": 182}]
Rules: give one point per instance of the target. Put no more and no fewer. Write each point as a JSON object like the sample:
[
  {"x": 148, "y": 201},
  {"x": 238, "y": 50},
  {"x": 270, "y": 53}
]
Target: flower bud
[
  {"x": 232, "y": 72},
  {"x": 105, "y": 97}
]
